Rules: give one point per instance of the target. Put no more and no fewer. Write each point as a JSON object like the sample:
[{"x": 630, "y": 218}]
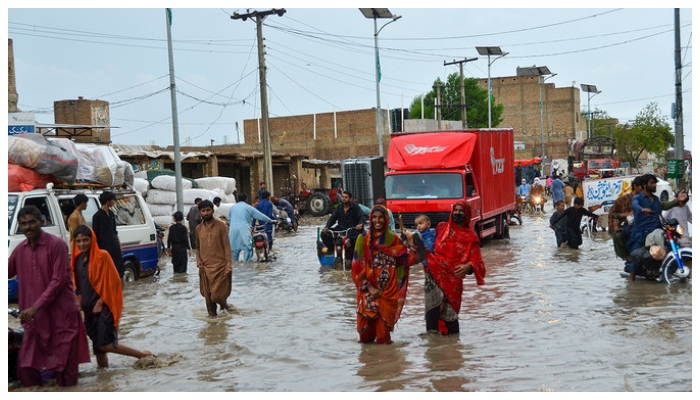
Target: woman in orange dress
[{"x": 380, "y": 272}]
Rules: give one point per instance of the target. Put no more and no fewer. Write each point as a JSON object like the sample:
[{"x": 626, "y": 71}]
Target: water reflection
[{"x": 383, "y": 366}]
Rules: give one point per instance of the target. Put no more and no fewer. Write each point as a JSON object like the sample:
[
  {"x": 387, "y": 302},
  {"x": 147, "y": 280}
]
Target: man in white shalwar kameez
[{"x": 239, "y": 219}]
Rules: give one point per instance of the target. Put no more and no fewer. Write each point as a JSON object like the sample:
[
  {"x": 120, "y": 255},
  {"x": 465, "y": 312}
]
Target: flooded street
[{"x": 547, "y": 319}]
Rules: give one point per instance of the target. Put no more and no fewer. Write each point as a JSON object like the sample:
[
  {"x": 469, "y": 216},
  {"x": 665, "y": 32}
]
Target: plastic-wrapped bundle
[
  {"x": 161, "y": 210},
  {"x": 226, "y": 184},
  {"x": 53, "y": 159},
  {"x": 98, "y": 163},
  {"x": 128, "y": 173},
  {"x": 168, "y": 182},
  {"x": 141, "y": 185},
  {"x": 22, "y": 179}
]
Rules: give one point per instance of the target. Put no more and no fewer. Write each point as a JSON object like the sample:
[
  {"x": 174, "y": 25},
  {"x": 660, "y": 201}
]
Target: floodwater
[{"x": 547, "y": 320}]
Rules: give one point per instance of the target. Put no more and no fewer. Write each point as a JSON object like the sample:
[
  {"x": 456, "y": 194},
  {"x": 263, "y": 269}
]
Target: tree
[
  {"x": 476, "y": 100},
  {"x": 649, "y": 131}
]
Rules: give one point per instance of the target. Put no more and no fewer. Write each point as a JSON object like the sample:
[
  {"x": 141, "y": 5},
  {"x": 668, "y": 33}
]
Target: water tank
[{"x": 363, "y": 177}]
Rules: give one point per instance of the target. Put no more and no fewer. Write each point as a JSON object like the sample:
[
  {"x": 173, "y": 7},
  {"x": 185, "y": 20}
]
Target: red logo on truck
[
  {"x": 497, "y": 164},
  {"x": 412, "y": 149}
]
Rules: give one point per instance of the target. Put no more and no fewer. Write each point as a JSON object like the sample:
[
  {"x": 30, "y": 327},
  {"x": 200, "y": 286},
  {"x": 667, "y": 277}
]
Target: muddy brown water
[{"x": 547, "y": 320}]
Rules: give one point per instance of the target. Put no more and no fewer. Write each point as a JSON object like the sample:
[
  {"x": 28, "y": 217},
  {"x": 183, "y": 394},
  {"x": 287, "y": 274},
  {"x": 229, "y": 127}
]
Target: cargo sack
[
  {"x": 99, "y": 164},
  {"x": 226, "y": 184},
  {"x": 128, "y": 173},
  {"x": 153, "y": 173},
  {"x": 22, "y": 179},
  {"x": 54, "y": 159},
  {"x": 169, "y": 182}
]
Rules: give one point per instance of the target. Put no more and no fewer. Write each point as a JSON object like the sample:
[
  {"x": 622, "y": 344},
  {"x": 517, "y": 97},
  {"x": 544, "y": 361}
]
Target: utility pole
[
  {"x": 173, "y": 104},
  {"x": 680, "y": 151},
  {"x": 463, "y": 101},
  {"x": 259, "y": 16},
  {"x": 438, "y": 107}
]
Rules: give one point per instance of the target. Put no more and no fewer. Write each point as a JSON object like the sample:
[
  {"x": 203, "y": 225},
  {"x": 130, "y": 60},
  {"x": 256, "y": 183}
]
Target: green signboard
[{"x": 674, "y": 169}]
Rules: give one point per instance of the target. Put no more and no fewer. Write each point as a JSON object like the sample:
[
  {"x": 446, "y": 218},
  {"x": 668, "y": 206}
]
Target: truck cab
[{"x": 135, "y": 224}]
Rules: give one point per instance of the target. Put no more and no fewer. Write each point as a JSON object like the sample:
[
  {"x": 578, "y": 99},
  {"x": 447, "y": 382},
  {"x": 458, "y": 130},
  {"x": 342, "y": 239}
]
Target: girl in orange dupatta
[
  {"x": 380, "y": 272},
  {"x": 99, "y": 290},
  {"x": 457, "y": 253}
]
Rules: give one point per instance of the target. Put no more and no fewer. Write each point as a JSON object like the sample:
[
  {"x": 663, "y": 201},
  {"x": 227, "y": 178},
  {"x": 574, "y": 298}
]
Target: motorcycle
[
  {"x": 285, "y": 223},
  {"x": 537, "y": 203},
  {"x": 521, "y": 203},
  {"x": 343, "y": 249},
  {"x": 260, "y": 244},
  {"x": 676, "y": 267},
  {"x": 160, "y": 239},
  {"x": 14, "y": 343}
]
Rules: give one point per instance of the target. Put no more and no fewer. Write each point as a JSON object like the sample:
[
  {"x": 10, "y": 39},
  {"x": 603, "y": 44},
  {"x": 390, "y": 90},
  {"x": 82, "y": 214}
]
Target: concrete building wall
[{"x": 327, "y": 136}]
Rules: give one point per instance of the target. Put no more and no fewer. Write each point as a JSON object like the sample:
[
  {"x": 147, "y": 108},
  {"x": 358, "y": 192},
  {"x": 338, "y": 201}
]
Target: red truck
[{"x": 429, "y": 171}]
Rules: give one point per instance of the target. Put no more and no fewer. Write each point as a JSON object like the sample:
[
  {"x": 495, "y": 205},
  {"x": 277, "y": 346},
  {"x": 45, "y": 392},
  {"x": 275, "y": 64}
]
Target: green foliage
[
  {"x": 476, "y": 100},
  {"x": 649, "y": 131}
]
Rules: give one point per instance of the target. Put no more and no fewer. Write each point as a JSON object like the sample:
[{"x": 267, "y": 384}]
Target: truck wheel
[
  {"x": 130, "y": 272},
  {"x": 505, "y": 230},
  {"x": 319, "y": 204}
]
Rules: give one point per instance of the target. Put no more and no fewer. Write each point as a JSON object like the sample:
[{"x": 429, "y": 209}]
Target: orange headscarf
[{"x": 103, "y": 276}]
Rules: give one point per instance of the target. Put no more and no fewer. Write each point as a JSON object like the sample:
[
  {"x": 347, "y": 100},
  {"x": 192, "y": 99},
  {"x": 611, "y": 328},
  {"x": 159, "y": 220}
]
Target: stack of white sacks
[{"x": 161, "y": 197}]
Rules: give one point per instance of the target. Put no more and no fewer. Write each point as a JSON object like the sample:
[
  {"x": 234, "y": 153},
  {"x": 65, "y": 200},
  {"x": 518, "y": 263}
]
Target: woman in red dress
[{"x": 457, "y": 254}]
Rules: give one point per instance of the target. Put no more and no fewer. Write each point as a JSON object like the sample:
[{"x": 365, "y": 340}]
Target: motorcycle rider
[
  {"x": 523, "y": 189},
  {"x": 284, "y": 205},
  {"x": 536, "y": 190},
  {"x": 347, "y": 215}
]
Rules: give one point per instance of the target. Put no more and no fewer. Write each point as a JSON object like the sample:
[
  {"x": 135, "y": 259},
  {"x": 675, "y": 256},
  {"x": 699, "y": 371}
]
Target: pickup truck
[
  {"x": 430, "y": 171},
  {"x": 137, "y": 230}
]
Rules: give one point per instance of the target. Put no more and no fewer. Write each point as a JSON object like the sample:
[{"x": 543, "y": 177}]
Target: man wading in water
[{"x": 214, "y": 260}]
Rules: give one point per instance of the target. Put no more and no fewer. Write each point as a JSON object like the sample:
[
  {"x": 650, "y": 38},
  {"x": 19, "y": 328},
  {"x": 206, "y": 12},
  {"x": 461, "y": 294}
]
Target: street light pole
[
  {"x": 488, "y": 51},
  {"x": 375, "y": 13},
  {"x": 540, "y": 72},
  {"x": 590, "y": 89}
]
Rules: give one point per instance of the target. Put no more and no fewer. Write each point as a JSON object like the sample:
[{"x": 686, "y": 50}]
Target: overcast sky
[{"x": 320, "y": 60}]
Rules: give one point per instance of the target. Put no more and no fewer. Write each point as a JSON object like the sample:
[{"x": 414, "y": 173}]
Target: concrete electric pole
[
  {"x": 463, "y": 104},
  {"x": 259, "y": 16}
]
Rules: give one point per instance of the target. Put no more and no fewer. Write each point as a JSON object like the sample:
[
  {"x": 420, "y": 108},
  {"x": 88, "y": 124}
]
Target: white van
[{"x": 137, "y": 230}]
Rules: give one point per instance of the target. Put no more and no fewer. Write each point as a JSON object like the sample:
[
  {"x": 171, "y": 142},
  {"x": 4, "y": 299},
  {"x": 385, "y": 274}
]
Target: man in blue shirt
[
  {"x": 265, "y": 207},
  {"x": 557, "y": 189},
  {"x": 524, "y": 188}
]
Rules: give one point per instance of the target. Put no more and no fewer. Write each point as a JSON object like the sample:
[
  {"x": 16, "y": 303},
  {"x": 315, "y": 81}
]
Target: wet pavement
[{"x": 547, "y": 319}]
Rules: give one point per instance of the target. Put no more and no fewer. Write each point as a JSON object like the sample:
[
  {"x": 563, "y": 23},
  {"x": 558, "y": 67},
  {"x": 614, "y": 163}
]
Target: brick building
[
  {"x": 561, "y": 113},
  {"x": 81, "y": 112}
]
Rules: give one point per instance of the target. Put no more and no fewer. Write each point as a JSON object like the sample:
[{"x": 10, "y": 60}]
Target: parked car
[{"x": 664, "y": 190}]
